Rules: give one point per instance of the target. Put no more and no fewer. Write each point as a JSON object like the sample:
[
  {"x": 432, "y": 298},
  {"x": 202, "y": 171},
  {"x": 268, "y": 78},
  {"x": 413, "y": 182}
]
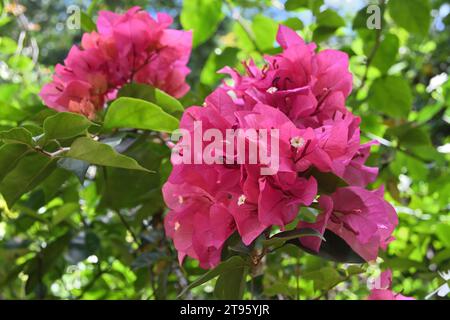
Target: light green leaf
[
  {"x": 94, "y": 152},
  {"x": 324, "y": 278},
  {"x": 413, "y": 15},
  {"x": 265, "y": 31},
  {"x": 391, "y": 95},
  {"x": 86, "y": 23},
  {"x": 63, "y": 212},
  {"x": 201, "y": 16},
  {"x": 386, "y": 53},
  {"x": 138, "y": 114},
  {"x": 151, "y": 94}
]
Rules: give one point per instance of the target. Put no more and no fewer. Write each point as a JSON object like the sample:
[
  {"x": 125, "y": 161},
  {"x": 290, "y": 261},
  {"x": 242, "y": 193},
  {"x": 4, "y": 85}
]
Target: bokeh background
[{"x": 103, "y": 238}]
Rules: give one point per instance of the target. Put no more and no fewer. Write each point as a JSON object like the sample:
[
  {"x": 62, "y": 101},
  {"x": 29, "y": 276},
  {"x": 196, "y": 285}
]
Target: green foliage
[
  {"x": 140, "y": 114},
  {"x": 203, "y": 17},
  {"x": 101, "y": 154},
  {"x": 81, "y": 208}
]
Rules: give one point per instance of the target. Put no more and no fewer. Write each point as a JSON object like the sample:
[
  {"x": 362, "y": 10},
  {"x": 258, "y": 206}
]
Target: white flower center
[
  {"x": 297, "y": 142},
  {"x": 177, "y": 226},
  {"x": 180, "y": 200},
  {"x": 241, "y": 200},
  {"x": 272, "y": 90}
]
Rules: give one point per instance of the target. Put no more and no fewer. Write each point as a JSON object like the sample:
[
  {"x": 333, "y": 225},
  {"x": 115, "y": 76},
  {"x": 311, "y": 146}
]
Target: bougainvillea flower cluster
[
  {"x": 129, "y": 47},
  {"x": 301, "y": 93}
]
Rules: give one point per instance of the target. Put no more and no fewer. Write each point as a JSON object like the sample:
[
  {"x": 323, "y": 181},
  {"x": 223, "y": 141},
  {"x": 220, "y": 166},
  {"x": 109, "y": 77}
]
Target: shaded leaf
[{"x": 94, "y": 152}]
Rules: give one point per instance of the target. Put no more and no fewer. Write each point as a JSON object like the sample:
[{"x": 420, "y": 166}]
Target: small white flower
[
  {"x": 241, "y": 200},
  {"x": 272, "y": 90},
  {"x": 297, "y": 142}
]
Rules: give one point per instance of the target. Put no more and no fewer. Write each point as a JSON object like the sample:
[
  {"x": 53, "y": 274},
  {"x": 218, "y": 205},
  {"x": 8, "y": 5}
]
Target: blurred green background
[{"x": 103, "y": 238}]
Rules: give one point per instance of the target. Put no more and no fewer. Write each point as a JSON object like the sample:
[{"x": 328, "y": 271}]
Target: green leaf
[
  {"x": 151, "y": 94},
  {"x": 325, "y": 278},
  {"x": 130, "y": 188},
  {"x": 139, "y": 114},
  {"x": 215, "y": 62},
  {"x": 86, "y": 23},
  {"x": 201, "y": 16},
  {"x": 17, "y": 135},
  {"x": 10, "y": 154},
  {"x": 313, "y": 5},
  {"x": 7, "y": 45},
  {"x": 54, "y": 182},
  {"x": 231, "y": 285},
  {"x": 94, "y": 152},
  {"x": 280, "y": 238},
  {"x": 410, "y": 136},
  {"x": 443, "y": 233},
  {"x": 334, "y": 249},
  {"x": 328, "y": 22},
  {"x": 78, "y": 167},
  {"x": 85, "y": 244},
  {"x": 330, "y": 18},
  {"x": 327, "y": 181},
  {"x": 293, "y": 23},
  {"x": 29, "y": 172},
  {"x": 391, "y": 95},
  {"x": 63, "y": 212},
  {"x": 43, "y": 261},
  {"x": 386, "y": 53},
  {"x": 413, "y": 15},
  {"x": 65, "y": 125},
  {"x": 231, "y": 265},
  {"x": 265, "y": 31}
]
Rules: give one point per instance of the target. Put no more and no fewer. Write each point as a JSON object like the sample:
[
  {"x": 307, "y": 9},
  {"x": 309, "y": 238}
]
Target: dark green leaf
[
  {"x": 327, "y": 181},
  {"x": 334, "y": 249},
  {"x": 29, "y": 172},
  {"x": 65, "y": 125},
  {"x": 231, "y": 285},
  {"x": 230, "y": 265},
  {"x": 280, "y": 238},
  {"x": 17, "y": 135},
  {"x": 215, "y": 62}
]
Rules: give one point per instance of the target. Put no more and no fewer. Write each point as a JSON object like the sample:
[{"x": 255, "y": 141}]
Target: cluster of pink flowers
[
  {"x": 130, "y": 47},
  {"x": 302, "y": 94}
]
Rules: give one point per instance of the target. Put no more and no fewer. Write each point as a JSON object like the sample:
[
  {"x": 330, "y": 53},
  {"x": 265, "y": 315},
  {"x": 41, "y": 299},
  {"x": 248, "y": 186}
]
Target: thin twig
[{"x": 373, "y": 51}]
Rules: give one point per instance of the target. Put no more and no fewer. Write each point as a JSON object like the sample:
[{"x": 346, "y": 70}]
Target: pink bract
[
  {"x": 302, "y": 94},
  {"x": 384, "y": 291},
  {"x": 129, "y": 47}
]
